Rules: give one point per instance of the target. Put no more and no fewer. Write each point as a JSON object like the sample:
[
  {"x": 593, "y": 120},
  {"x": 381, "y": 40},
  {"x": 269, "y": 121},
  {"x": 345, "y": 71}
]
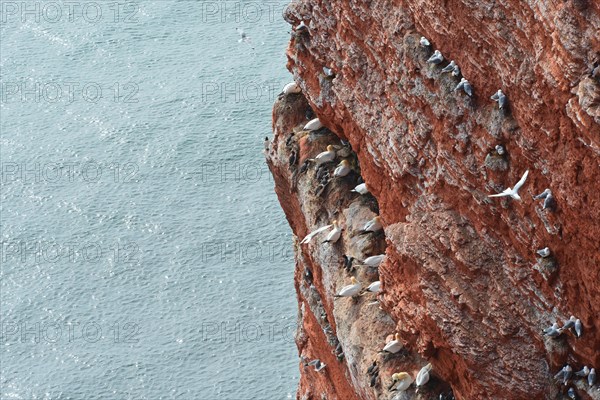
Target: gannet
[
  {"x": 500, "y": 98},
  {"x": 361, "y": 189},
  {"x": 400, "y": 382},
  {"x": 578, "y": 328},
  {"x": 342, "y": 169},
  {"x": 423, "y": 376},
  {"x": 545, "y": 252},
  {"x": 350, "y": 290},
  {"x": 570, "y": 323},
  {"x": 291, "y": 87},
  {"x": 374, "y": 261},
  {"x": 374, "y": 287},
  {"x": 373, "y": 225},
  {"x": 326, "y": 156},
  {"x": 592, "y": 377},
  {"x": 465, "y": 86},
  {"x": 424, "y": 42},
  {"x": 436, "y": 58},
  {"x": 450, "y": 67},
  {"x": 513, "y": 192},
  {"x": 313, "y": 125},
  {"x": 309, "y": 237},
  {"x": 393, "y": 346},
  {"x": 334, "y": 235},
  {"x": 585, "y": 371}
]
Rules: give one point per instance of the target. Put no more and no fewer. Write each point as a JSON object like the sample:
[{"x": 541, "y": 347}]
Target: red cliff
[{"x": 461, "y": 281}]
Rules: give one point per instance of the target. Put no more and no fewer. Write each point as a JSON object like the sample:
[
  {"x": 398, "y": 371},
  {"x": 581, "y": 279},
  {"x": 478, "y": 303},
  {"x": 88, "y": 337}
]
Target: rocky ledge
[{"x": 462, "y": 281}]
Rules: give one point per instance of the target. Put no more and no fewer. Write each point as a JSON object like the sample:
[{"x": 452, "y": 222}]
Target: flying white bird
[{"x": 513, "y": 192}]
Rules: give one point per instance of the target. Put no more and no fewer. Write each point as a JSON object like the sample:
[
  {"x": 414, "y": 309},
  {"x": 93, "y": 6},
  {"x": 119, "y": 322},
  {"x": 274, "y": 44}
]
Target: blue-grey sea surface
[{"x": 144, "y": 252}]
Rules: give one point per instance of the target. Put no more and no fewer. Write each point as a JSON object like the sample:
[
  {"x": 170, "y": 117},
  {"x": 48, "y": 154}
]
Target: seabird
[
  {"x": 450, "y": 67},
  {"x": 554, "y": 331},
  {"x": 571, "y": 393},
  {"x": 309, "y": 237},
  {"x": 545, "y": 252},
  {"x": 374, "y": 261},
  {"x": 570, "y": 323},
  {"x": 400, "y": 381},
  {"x": 578, "y": 328},
  {"x": 334, "y": 235},
  {"x": 456, "y": 71},
  {"x": 465, "y": 86},
  {"x": 513, "y": 192},
  {"x": 500, "y": 98},
  {"x": 543, "y": 195},
  {"x": 393, "y": 346},
  {"x": 500, "y": 150},
  {"x": 328, "y": 72},
  {"x": 592, "y": 377},
  {"x": 342, "y": 169},
  {"x": 301, "y": 27},
  {"x": 424, "y": 42},
  {"x": 436, "y": 58},
  {"x": 350, "y": 290},
  {"x": 423, "y": 376},
  {"x": 291, "y": 87},
  {"x": 361, "y": 189},
  {"x": 374, "y": 287},
  {"x": 348, "y": 263},
  {"x": 313, "y": 125},
  {"x": 564, "y": 374},
  {"x": 326, "y": 156},
  {"x": 548, "y": 198},
  {"x": 317, "y": 364},
  {"x": 243, "y": 36},
  {"x": 373, "y": 368},
  {"x": 373, "y": 225},
  {"x": 585, "y": 371}
]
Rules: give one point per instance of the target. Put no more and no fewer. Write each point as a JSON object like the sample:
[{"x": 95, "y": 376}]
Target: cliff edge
[{"x": 462, "y": 282}]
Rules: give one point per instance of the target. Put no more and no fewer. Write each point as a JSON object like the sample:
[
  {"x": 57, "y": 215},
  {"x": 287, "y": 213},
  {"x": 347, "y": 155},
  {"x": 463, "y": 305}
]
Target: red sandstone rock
[{"x": 461, "y": 282}]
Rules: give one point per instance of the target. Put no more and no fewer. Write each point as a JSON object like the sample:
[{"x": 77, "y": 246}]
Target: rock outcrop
[{"x": 461, "y": 281}]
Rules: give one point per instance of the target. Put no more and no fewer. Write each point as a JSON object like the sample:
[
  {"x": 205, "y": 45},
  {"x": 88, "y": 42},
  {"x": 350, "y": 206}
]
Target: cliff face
[{"x": 461, "y": 281}]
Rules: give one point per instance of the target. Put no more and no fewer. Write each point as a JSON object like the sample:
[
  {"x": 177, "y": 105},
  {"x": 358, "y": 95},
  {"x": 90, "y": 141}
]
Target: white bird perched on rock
[
  {"x": 400, "y": 382},
  {"x": 585, "y": 371},
  {"x": 317, "y": 364},
  {"x": 424, "y": 42},
  {"x": 548, "y": 198},
  {"x": 291, "y": 87},
  {"x": 465, "y": 86},
  {"x": 545, "y": 252},
  {"x": 500, "y": 98},
  {"x": 328, "y": 72},
  {"x": 361, "y": 189},
  {"x": 570, "y": 323},
  {"x": 313, "y": 125},
  {"x": 578, "y": 328},
  {"x": 450, "y": 67},
  {"x": 436, "y": 58},
  {"x": 309, "y": 237},
  {"x": 374, "y": 287},
  {"x": 554, "y": 331},
  {"x": 393, "y": 346},
  {"x": 513, "y": 192},
  {"x": 301, "y": 27},
  {"x": 373, "y": 225},
  {"x": 374, "y": 261},
  {"x": 334, "y": 235},
  {"x": 326, "y": 156},
  {"x": 592, "y": 377},
  {"x": 564, "y": 374},
  {"x": 500, "y": 149},
  {"x": 350, "y": 290},
  {"x": 423, "y": 376},
  {"x": 342, "y": 169}
]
